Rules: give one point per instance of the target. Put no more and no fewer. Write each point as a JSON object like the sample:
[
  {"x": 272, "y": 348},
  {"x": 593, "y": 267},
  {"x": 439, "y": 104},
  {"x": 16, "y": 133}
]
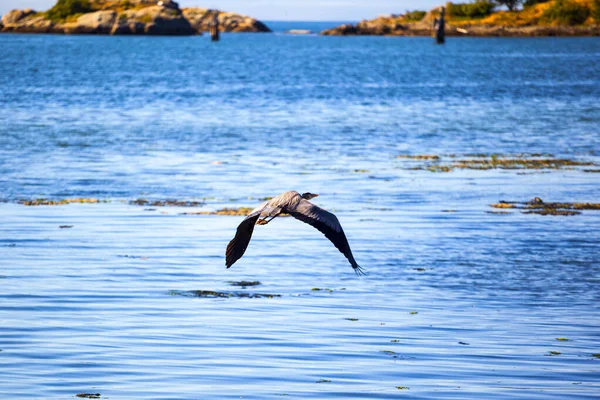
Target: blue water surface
[{"x": 456, "y": 305}]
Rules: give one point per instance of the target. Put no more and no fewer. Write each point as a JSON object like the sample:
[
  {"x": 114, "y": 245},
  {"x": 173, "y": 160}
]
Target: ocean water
[{"x": 456, "y": 305}]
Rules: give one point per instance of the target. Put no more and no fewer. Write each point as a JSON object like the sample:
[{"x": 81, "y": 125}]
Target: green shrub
[
  {"x": 146, "y": 18},
  {"x": 477, "y": 9},
  {"x": 416, "y": 15},
  {"x": 529, "y": 3},
  {"x": 66, "y": 8},
  {"x": 565, "y": 12},
  {"x": 596, "y": 10}
]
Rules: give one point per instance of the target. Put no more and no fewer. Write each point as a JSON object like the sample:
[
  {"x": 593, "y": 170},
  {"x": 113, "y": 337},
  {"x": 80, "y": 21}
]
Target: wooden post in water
[
  {"x": 439, "y": 27},
  {"x": 214, "y": 26}
]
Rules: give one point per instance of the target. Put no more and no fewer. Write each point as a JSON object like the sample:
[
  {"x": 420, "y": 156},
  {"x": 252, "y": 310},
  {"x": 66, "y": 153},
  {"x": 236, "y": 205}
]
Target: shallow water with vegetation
[{"x": 124, "y": 162}]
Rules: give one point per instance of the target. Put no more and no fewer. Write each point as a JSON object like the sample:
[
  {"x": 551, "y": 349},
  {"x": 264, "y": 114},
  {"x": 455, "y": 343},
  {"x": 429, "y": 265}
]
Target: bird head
[{"x": 309, "y": 195}]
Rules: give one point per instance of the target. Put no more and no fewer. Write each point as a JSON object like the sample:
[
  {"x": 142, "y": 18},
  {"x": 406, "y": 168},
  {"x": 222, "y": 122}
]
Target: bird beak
[{"x": 315, "y": 195}]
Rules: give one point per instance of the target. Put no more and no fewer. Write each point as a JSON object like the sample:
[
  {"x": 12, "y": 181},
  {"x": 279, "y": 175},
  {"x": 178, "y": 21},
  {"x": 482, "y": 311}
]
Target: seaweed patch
[
  {"x": 166, "y": 203},
  {"x": 60, "y": 202},
  {"x": 316, "y": 289},
  {"x": 533, "y": 161},
  {"x": 242, "y": 211},
  {"x": 244, "y": 284},
  {"x": 227, "y": 295},
  {"x": 540, "y": 207}
]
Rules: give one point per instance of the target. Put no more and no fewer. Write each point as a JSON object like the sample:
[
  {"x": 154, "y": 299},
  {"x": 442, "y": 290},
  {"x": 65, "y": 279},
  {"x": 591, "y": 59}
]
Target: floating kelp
[
  {"x": 498, "y": 155},
  {"x": 570, "y": 206},
  {"x": 244, "y": 284},
  {"x": 59, "y": 202},
  {"x": 166, "y": 203},
  {"x": 402, "y": 387},
  {"x": 323, "y": 381},
  {"x": 554, "y": 353},
  {"x": 88, "y": 395},
  {"x": 65, "y": 226},
  {"x": 563, "y": 339},
  {"x": 413, "y": 312},
  {"x": 419, "y": 156},
  {"x": 351, "y": 319},
  {"x": 540, "y": 207},
  {"x": 503, "y": 204},
  {"x": 130, "y": 256},
  {"x": 234, "y": 212},
  {"x": 518, "y": 163},
  {"x": 565, "y": 213},
  {"x": 388, "y": 352},
  {"x": 242, "y": 211},
  {"x": 534, "y": 161},
  {"x": 316, "y": 289},
  {"x": 214, "y": 294},
  {"x": 436, "y": 168}
]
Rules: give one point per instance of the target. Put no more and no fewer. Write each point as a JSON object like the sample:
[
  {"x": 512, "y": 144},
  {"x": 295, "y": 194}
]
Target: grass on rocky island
[
  {"x": 533, "y": 13},
  {"x": 65, "y": 9}
]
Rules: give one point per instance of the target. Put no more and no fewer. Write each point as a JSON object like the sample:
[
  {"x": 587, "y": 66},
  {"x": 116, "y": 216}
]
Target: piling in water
[
  {"x": 439, "y": 26},
  {"x": 214, "y": 27}
]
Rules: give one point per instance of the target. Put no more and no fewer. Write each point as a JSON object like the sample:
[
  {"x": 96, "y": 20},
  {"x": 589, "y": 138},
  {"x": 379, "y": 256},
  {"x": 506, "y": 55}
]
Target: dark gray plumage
[{"x": 300, "y": 208}]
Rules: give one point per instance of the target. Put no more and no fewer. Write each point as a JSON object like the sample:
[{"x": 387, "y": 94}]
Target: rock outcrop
[
  {"x": 130, "y": 17},
  {"x": 156, "y": 20},
  {"x": 26, "y": 21},
  {"x": 99, "y": 22},
  {"x": 201, "y": 18}
]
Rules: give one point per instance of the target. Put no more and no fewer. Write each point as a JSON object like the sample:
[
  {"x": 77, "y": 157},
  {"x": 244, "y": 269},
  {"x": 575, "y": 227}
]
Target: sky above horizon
[{"x": 284, "y": 10}]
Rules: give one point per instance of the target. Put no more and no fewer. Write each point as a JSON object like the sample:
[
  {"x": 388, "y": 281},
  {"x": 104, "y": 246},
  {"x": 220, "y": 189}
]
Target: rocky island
[
  {"x": 481, "y": 18},
  {"x": 125, "y": 17}
]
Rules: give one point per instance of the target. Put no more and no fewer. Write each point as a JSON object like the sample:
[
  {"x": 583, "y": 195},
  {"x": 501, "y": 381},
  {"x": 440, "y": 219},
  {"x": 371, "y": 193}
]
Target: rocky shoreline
[
  {"x": 469, "y": 31},
  {"x": 498, "y": 24},
  {"x": 145, "y": 17}
]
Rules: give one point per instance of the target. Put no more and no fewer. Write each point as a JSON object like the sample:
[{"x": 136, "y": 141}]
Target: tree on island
[{"x": 512, "y": 5}]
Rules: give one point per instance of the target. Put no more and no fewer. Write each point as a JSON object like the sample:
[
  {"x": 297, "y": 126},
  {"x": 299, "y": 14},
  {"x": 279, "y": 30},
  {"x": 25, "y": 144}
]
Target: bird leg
[{"x": 264, "y": 221}]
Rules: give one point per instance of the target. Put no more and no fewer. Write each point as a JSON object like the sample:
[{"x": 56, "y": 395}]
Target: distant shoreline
[{"x": 545, "y": 18}]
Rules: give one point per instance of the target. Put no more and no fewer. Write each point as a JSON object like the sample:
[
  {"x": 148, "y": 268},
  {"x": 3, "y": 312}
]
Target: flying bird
[{"x": 299, "y": 207}]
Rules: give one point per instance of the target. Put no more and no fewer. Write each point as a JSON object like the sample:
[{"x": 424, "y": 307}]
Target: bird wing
[
  {"x": 238, "y": 245},
  {"x": 327, "y": 223}
]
